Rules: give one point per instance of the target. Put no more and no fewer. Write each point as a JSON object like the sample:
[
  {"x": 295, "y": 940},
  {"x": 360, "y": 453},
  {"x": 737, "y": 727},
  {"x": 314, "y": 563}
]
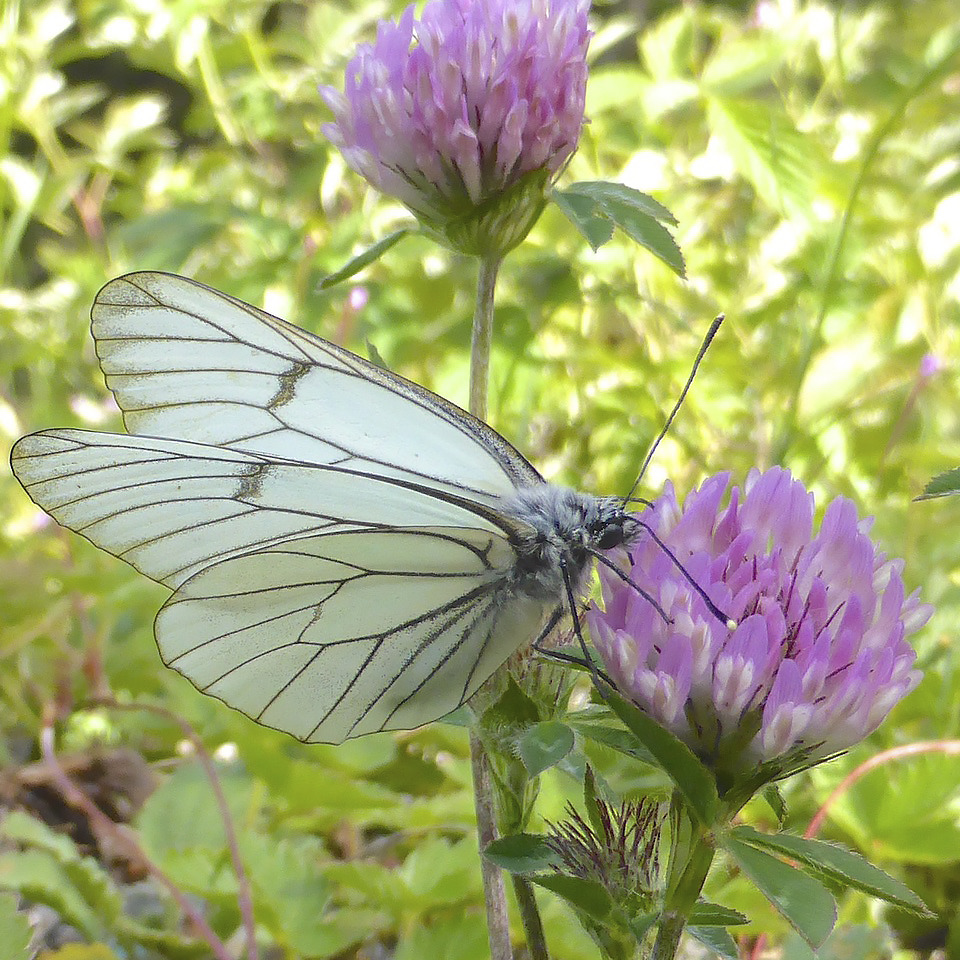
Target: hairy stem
[
  {"x": 494, "y": 892},
  {"x": 691, "y": 854},
  {"x": 669, "y": 930}
]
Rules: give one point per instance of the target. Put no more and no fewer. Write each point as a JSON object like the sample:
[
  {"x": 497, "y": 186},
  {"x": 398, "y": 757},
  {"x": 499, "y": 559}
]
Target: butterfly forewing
[
  {"x": 188, "y": 362},
  {"x": 170, "y": 508}
]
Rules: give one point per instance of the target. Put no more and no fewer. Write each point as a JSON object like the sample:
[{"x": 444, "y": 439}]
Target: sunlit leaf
[
  {"x": 943, "y": 485},
  {"x": 803, "y": 902},
  {"x": 838, "y": 864}
]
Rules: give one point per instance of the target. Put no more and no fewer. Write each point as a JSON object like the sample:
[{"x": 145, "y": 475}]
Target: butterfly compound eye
[{"x": 611, "y": 535}]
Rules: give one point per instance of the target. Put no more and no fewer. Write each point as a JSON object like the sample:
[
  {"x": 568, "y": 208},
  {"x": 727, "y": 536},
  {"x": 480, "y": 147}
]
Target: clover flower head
[
  {"x": 819, "y": 654},
  {"x": 475, "y": 100},
  {"x": 930, "y": 365}
]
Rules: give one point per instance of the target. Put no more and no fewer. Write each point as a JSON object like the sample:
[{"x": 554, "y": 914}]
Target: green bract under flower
[
  {"x": 819, "y": 654},
  {"x": 466, "y": 114}
]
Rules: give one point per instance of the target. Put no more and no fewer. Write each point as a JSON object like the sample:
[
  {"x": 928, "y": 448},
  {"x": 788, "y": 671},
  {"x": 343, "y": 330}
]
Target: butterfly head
[
  {"x": 562, "y": 529},
  {"x": 611, "y": 526}
]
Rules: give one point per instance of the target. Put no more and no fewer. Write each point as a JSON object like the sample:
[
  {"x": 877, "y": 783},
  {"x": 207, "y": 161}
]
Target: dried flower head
[
  {"x": 819, "y": 654},
  {"x": 466, "y": 113},
  {"x": 618, "y": 847}
]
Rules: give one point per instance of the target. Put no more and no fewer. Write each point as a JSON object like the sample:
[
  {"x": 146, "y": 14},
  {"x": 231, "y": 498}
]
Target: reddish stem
[
  {"x": 127, "y": 839},
  {"x": 894, "y": 753},
  {"x": 244, "y": 896}
]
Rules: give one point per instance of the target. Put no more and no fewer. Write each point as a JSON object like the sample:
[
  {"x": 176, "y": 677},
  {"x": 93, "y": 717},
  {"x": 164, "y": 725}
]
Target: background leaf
[
  {"x": 15, "y": 932},
  {"x": 806, "y": 904}
]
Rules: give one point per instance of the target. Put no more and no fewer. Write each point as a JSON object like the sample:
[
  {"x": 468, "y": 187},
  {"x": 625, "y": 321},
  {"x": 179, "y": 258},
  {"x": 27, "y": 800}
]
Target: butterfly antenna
[
  {"x": 727, "y": 621},
  {"x": 707, "y": 340}
]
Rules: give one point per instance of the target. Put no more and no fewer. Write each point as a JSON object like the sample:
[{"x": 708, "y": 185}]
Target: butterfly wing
[
  {"x": 323, "y": 602},
  {"x": 170, "y": 508},
  {"x": 331, "y": 530},
  {"x": 340, "y": 634},
  {"x": 188, "y": 362}
]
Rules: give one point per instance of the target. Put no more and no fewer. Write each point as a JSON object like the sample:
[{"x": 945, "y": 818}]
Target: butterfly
[{"x": 348, "y": 552}]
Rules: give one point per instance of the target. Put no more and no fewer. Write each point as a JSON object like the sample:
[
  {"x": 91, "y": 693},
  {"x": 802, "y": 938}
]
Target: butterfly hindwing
[{"x": 341, "y": 634}]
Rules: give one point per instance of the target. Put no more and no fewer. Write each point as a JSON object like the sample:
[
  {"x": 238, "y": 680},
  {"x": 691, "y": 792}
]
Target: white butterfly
[{"x": 348, "y": 551}]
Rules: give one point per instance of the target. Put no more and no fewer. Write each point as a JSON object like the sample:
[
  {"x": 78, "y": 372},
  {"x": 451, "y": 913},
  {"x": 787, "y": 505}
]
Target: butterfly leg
[{"x": 588, "y": 662}]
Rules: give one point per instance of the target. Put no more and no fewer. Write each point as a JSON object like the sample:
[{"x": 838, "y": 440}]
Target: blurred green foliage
[{"x": 811, "y": 153}]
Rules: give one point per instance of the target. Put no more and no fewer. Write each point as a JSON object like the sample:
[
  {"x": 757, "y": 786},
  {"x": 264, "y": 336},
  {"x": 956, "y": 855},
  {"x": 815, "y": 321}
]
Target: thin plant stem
[
  {"x": 494, "y": 891},
  {"x": 946, "y": 747},
  {"x": 482, "y": 335},
  {"x": 217, "y": 93},
  {"x": 871, "y": 150},
  {"x": 530, "y": 917}
]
